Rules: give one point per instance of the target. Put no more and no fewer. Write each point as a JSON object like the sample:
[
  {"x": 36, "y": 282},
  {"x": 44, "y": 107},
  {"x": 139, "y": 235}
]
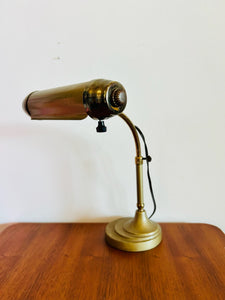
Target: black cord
[{"x": 148, "y": 159}]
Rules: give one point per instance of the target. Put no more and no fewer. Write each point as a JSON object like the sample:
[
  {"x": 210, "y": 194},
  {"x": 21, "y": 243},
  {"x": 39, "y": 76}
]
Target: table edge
[{"x": 4, "y": 226}]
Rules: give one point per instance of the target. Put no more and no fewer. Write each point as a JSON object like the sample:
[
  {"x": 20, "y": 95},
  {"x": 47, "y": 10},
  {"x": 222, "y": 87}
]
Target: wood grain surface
[{"x": 72, "y": 261}]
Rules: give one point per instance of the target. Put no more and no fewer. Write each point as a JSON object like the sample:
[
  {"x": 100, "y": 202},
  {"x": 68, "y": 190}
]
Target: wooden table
[{"x": 72, "y": 261}]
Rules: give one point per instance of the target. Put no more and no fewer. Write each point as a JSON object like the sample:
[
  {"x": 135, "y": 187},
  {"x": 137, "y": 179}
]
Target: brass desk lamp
[{"x": 101, "y": 99}]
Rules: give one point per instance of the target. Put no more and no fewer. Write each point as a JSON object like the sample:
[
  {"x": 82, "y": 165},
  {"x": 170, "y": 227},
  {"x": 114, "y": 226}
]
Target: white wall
[{"x": 169, "y": 55}]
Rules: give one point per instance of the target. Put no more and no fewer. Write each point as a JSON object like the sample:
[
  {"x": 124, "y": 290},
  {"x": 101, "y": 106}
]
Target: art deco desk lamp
[{"x": 101, "y": 99}]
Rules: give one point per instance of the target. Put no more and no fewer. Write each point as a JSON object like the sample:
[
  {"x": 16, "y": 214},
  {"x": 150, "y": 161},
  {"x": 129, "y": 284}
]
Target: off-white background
[{"x": 169, "y": 55}]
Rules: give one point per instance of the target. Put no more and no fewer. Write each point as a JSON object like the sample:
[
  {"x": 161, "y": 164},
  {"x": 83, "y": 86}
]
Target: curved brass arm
[
  {"x": 138, "y": 162},
  {"x": 134, "y": 132}
]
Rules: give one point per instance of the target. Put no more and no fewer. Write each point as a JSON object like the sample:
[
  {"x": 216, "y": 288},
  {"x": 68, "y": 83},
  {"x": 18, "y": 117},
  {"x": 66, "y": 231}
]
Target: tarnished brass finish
[
  {"x": 98, "y": 98},
  {"x": 138, "y": 233},
  {"x": 104, "y": 98}
]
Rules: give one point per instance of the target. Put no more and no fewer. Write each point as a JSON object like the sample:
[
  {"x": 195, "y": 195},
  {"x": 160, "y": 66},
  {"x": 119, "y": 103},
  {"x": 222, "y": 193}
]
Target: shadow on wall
[{"x": 48, "y": 175}]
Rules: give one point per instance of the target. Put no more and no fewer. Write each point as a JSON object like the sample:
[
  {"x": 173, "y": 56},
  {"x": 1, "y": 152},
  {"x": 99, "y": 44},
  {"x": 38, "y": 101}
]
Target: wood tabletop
[{"x": 72, "y": 261}]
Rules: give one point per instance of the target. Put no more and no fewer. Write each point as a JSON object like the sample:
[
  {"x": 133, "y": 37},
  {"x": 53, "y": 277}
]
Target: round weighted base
[{"x": 133, "y": 234}]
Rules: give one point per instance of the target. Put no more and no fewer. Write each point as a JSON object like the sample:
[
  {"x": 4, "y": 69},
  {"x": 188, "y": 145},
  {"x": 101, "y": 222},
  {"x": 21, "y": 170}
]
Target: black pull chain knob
[{"x": 101, "y": 126}]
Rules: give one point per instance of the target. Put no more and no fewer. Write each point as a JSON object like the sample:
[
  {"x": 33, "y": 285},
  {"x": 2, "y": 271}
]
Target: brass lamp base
[{"x": 133, "y": 234}]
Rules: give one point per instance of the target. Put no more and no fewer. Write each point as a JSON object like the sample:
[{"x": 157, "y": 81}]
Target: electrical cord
[{"x": 148, "y": 159}]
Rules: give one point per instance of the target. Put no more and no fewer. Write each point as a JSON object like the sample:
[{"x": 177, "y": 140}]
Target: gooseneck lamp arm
[{"x": 101, "y": 99}]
